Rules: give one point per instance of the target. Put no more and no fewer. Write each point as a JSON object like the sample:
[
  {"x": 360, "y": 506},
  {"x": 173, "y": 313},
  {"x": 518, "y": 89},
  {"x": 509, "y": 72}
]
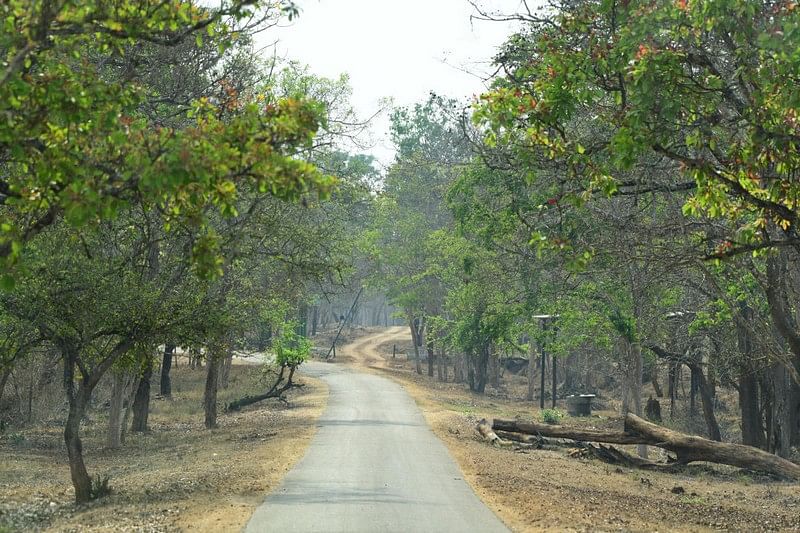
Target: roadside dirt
[
  {"x": 549, "y": 491},
  {"x": 177, "y": 477}
]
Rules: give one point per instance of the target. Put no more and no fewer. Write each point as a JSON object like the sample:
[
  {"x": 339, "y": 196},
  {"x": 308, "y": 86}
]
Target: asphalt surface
[{"x": 374, "y": 465}]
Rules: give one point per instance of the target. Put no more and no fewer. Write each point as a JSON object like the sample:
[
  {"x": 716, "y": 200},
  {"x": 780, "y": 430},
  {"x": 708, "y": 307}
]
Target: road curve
[{"x": 374, "y": 465}]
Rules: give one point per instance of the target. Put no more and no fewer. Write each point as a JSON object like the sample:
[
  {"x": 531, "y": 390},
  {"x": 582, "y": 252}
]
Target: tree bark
[
  {"x": 478, "y": 383},
  {"x": 225, "y": 369},
  {"x": 3, "y": 380},
  {"x": 77, "y": 468},
  {"x": 166, "y": 366},
  {"x": 414, "y": 341},
  {"x": 441, "y": 365},
  {"x": 141, "y": 403},
  {"x": 752, "y": 427},
  {"x": 210, "y": 393},
  {"x": 115, "y": 410},
  {"x": 708, "y": 406},
  {"x": 494, "y": 367},
  {"x": 431, "y": 356}
]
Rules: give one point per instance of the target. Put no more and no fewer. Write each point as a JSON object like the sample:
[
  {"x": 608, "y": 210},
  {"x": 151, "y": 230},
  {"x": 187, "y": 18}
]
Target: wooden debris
[{"x": 688, "y": 448}]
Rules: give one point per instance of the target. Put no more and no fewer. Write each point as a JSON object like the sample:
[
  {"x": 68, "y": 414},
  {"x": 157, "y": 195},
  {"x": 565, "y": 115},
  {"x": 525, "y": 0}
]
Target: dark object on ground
[
  {"x": 580, "y": 405},
  {"x": 653, "y": 410}
]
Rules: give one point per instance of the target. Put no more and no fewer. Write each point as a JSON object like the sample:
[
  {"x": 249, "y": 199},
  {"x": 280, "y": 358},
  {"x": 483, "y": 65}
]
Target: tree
[{"x": 76, "y": 144}]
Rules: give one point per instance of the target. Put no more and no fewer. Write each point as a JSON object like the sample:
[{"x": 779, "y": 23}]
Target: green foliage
[
  {"x": 601, "y": 89},
  {"x": 100, "y": 488},
  {"x": 76, "y": 142},
  {"x": 551, "y": 416},
  {"x": 290, "y": 348}
]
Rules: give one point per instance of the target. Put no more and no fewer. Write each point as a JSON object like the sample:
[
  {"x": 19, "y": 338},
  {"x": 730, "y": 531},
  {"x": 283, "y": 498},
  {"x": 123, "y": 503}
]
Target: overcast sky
[{"x": 399, "y": 49}]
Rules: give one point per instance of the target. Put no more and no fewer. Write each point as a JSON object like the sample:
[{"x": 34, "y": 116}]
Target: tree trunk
[
  {"x": 314, "y": 320},
  {"x": 166, "y": 366},
  {"x": 459, "y": 363},
  {"x": 414, "y": 341},
  {"x": 77, "y": 468},
  {"x": 654, "y": 379},
  {"x": 78, "y": 399},
  {"x": 752, "y": 428},
  {"x": 129, "y": 401},
  {"x": 115, "y": 410},
  {"x": 481, "y": 370},
  {"x": 494, "y": 367},
  {"x": 441, "y": 366},
  {"x": 141, "y": 403},
  {"x": 3, "y": 380},
  {"x": 210, "y": 393},
  {"x": 225, "y": 369},
  {"x": 781, "y": 417},
  {"x": 431, "y": 356},
  {"x": 708, "y": 406}
]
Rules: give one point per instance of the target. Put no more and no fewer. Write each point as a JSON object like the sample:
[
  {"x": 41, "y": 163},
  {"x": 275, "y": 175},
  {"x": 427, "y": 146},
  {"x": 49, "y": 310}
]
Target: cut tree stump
[{"x": 688, "y": 448}]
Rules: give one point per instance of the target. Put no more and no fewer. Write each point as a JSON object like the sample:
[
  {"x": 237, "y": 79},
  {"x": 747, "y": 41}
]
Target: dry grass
[{"x": 179, "y": 476}]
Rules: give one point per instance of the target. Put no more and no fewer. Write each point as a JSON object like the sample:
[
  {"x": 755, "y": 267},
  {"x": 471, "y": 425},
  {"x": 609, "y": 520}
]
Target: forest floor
[
  {"x": 177, "y": 477},
  {"x": 540, "y": 490}
]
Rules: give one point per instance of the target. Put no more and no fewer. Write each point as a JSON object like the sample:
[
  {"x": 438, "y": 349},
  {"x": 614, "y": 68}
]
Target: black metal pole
[
  {"x": 553, "y": 365},
  {"x": 541, "y": 389}
]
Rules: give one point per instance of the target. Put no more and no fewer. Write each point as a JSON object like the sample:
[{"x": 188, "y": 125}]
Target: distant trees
[
  {"x": 158, "y": 188},
  {"x": 632, "y": 170}
]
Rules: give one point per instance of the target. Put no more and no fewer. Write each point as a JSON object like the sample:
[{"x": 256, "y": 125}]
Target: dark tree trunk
[
  {"x": 314, "y": 320},
  {"x": 494, "y": 367},
  {"x": 210, "y": 394},
  {"x": 672, "y": 376},
  {"x": 431, "y": 356},
  {"x": 166, "y": 366},
  {"x": 441, "y": 366},
  {"x": 654, "y": 379},
  {"x": 141, "y": 402},
  {"x": 77, "y": 468},
  {"x": 752, "y": 427},
  {"x": 752, "y": 421},
  {"x": 780, "y": 416},
  {"x": 708, "y": 406},
  {"x": 3, "y": 380},
  {"x": 478, "y": 382},
  {"x": 694, "y": 382}
]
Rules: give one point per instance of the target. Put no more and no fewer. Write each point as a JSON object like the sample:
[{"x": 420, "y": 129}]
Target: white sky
[{"x": 398, "y": 49}]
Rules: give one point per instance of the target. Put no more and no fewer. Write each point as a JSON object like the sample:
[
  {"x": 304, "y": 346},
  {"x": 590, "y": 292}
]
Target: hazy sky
[{"x": 400, "y": 49}]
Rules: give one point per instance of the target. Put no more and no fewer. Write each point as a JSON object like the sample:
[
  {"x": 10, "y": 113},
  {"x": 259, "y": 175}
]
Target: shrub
[{"x": 551, "y": 416}]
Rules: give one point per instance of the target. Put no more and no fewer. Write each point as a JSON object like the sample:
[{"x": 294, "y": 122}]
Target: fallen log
[
  {"x": 691, "y": 448},
  {"x": 688, "y": 448},
  {"x": 564, "y": 432},
  {"x": 485, "y": 431}
]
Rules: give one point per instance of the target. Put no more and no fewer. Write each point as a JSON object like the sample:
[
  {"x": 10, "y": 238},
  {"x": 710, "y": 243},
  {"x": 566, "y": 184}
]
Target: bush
[{"x": 551, "y": 416}]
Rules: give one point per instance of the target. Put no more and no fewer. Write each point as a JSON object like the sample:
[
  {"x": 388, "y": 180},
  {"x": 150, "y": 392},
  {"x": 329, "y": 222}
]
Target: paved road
[{"x": 374, "y": 465}]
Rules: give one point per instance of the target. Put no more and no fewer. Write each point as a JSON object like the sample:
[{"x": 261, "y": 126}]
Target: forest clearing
[{"x": 237, "y": 237}]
